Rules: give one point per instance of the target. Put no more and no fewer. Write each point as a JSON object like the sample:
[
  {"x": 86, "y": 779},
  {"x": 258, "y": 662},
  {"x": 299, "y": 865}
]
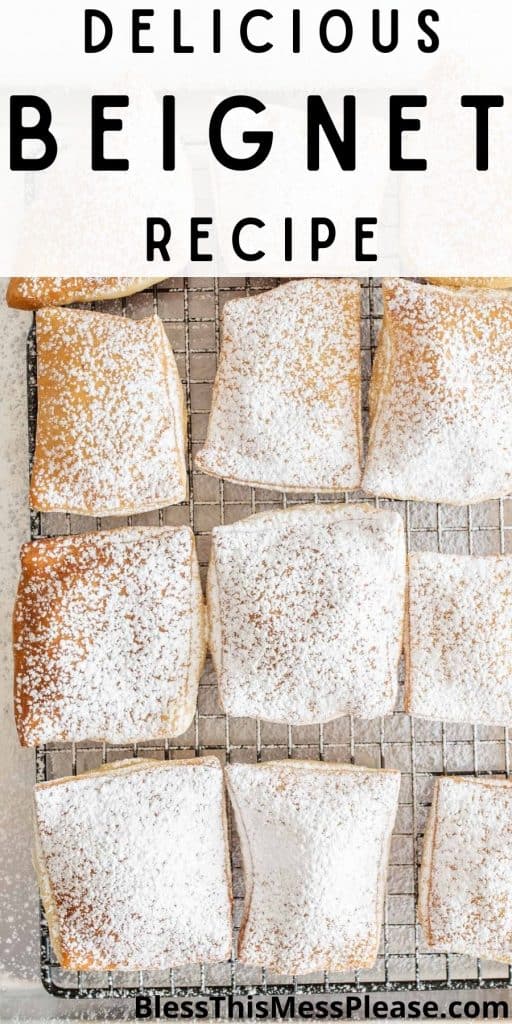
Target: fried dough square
[
  {"x": 133, "y": 865},
  {"x": 306, "y": 611},
  {"x": 315, "y": 844},
  {"x": 459, "y": 638},
  {"x": 441, "y": 396},
  {"x": 111, "y": 418},
  {"x": 465, "y": 884},
  {"x": 109, "y": 636},
  {"x": 286, "y": 400}
]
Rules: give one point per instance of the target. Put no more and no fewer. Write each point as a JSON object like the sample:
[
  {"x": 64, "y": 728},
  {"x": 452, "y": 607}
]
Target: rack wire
[{"x": 191, "y": 310}]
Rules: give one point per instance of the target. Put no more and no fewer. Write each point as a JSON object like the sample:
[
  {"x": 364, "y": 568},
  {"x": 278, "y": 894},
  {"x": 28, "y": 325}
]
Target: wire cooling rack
[{"x": 191, "y": 312}]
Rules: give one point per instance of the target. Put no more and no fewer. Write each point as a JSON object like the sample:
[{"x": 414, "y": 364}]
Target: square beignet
[
  {"x": 133, "y": 865},
  {"x": 441, "y": 396},
  {"x": 459, "y": 638},
  {"x": 111, "y": 419},
  {"x": 315, "y": 844},
  {"x": 465, "y": 883},
  {"x": 286, "y": 400},
  {"x": 306, "y": 611},
  {"x": 109, "y": 636},
  {"x": 38, "y": 292}
]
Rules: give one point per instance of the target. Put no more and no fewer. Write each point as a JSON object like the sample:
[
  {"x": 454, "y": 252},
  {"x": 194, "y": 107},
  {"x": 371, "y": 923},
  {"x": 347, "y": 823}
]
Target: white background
[{"x": 69, "y": 220}]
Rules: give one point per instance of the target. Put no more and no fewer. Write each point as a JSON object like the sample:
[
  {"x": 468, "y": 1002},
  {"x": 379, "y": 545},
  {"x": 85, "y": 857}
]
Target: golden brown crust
[
  {"x": 472, "y": 282},
  {"x": 109, "y": 636},
  {"x": 37, "y": 292},
  {"x": 407, "y": 644},
  {"x": 379, "y": 385},
  {"x": 111, "y": 423}
]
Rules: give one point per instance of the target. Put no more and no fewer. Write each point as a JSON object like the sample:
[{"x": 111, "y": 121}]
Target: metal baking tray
[{"x": 191, "y": 310}]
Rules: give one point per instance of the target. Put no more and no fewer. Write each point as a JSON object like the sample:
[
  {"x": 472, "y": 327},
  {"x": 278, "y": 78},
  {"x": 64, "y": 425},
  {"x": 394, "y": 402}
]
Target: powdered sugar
[
  {"x": 472, "y": 282},
  {"x": 306, "y": 613},
  {"x": 315, "y": 842},
  {"x": 134, "y": 865},
  {"x": 465, "y": 893},
  {"x": 37, "y": 292},
  {"x": 109, "y": 636},
  {"x": 460, "y": 638},
  {"x": 441, "y": 399},
  {"x": 110, "y": 429},
  {"x": 286, "y": 404}
]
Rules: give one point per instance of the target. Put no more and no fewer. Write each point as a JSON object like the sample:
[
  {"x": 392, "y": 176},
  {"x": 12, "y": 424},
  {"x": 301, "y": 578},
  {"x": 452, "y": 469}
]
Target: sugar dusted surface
[
  {"x": 109, "y": 634},
  {"x": 466, "y": 880},
  {"x": 315, "y": 842},
  {"x": 442, "y": 396},
  {"x": 110, "y": 406},
  {"x": 286, "y": 401},
  {"x": 460, "y": 638},
  {"x": 37, "y": 292},
  {"x": 306, "y": 613},
  {"x": 472, "y": 282},
  {"x": 138, "y": 865}
]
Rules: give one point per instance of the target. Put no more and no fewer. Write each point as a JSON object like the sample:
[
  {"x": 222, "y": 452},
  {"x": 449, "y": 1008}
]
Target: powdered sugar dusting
[
  {"x": 472, "y": 282},
  {"x": 109, "y": 636},
  {"x": 37, "y": 292},
  {"x": 110, "y": 429},
  {"x": 442, "y": 396},
  {"x": 315, "y": 842},
  {"x": 286, "y": 403},
  {"x": 306, "y": 613},
  {"x": 135, "y": 865},
  {"x": 460, "y": 638},
  {"x": 466, "y": 876}
]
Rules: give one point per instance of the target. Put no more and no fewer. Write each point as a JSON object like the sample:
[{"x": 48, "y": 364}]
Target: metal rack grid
[{"x": 421, "y": 750}]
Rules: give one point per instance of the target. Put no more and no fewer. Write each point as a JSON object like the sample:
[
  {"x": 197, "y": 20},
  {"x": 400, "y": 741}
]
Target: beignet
[
  {"x": 315, "y": 844},
  {"x": 459, "y": 638},
  {"x": 465, "y": 883},
  {"x": 109, "y": 636},
  {"x": 111, "y": 420},
  {"x": 286, "y": 400},
  {"x": 133, "y": 866},
  {"x": 441, "y": 396},
  {"x": 306, "y": 612}
]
